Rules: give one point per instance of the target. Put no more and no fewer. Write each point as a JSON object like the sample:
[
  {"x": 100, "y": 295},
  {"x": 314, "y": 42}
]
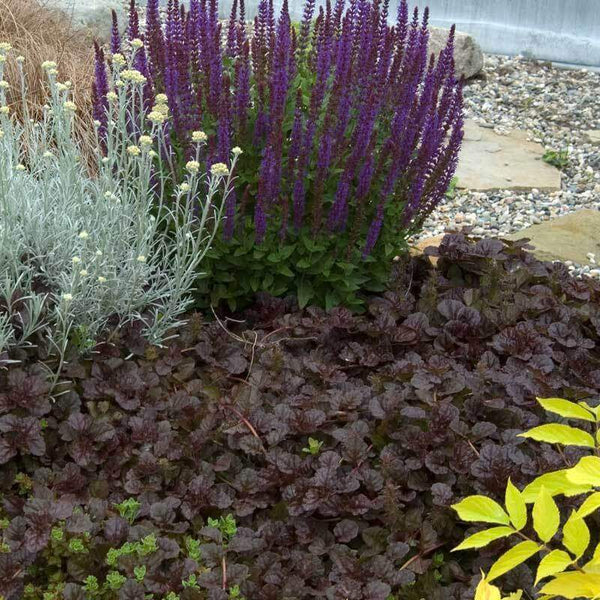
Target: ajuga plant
[
  {"x": 336, "y": 442},
  {"x": 350, "y": 134},
  {"x": 570, "y": 564},
  {"x": 78, "y": 254}
]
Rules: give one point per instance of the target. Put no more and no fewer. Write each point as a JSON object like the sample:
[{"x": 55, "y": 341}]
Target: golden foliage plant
[{"x": 569, "y": 565}]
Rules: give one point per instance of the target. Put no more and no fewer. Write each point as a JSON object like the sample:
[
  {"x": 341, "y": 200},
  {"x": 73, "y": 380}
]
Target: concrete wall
[{"x": 558, "y": 30}]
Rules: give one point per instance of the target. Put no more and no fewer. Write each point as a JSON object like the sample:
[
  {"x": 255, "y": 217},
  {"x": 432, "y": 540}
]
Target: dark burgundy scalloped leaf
[{"x": 415, "y": 404}]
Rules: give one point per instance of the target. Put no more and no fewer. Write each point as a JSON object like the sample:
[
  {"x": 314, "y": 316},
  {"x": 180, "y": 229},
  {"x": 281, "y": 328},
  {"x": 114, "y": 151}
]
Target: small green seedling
[
  {"x": 193, "y": 548},
  {"x": 77, "y": 546},
  {"x": 556, "y": 158},
  {"x": 91, "y": 584},
  {"x": 314, "y": 447},
  {"x": 452, "y": 188},
  {"x": 191, "y": 582},
  {"x": 115, "y": 581},
  {"x": 235, "y": 593},
  {"x": 57, "y": 534},
  {"x": 129, "y": 509},
  {"x": 226, "y": 525},
  {"x": 140, "y": 573}
]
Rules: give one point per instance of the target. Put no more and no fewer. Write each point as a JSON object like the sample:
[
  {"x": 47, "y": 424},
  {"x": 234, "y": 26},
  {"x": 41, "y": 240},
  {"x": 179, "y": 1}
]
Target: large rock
[
  {"x": 489, "y": 161},
  {"x": 570, "y": 237},
  {"x": 468, "y": 56},
  {"x": 421, "y": 245},
  {"x": 593, "y": 135}
]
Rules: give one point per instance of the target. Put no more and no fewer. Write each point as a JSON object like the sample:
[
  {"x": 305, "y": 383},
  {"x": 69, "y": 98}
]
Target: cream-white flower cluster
[
  {"x": 219, "y": 170},
  {"x": 199, "y": 136},
  {"x": 134, "y": 76},
  {"x": 156, "y": 117},
  {"x": 192, "y": 166},
  {"x": 118, "y": 60},
  {"x": 160, "y": 111},
  {"x": 145, "y": 141}
]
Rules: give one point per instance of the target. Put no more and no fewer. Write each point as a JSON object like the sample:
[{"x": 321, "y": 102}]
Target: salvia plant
[
  {"x": 350, "y": 132},
  {"x": 81, "y": 253},
  {"x": 570, "y": 563}
]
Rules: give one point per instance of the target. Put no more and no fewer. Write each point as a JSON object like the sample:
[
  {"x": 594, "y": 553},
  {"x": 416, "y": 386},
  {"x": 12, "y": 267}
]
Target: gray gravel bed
[{"x": 555, "y": 106}]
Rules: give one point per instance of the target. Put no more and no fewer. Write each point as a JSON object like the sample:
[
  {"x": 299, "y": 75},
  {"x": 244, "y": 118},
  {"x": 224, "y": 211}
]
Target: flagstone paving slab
[
  {"x": 568, "y": 238},
  {"x": 490, "y": 161},
  {"x": 593, "y": 136}
]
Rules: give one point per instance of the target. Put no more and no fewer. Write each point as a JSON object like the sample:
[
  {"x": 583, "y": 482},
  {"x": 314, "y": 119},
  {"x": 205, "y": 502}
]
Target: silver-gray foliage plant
[{"x": 77, "y": 251}]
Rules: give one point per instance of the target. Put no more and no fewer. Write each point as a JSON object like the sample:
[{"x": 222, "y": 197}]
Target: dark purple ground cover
[{"x": 417, "y": 404}]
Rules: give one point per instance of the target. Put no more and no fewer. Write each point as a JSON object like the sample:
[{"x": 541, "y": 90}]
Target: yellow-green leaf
[
  {"x": 546, "y": 517},
  {"x": 566, "y": 409},
  {"x": 481, "y": 508},
  {"x": 554, "y": 562},
  {"x": 595, "y": 410},
  {"x": 515, "y": 506},
  {"x": 576, "y": 535},
  {"x": 556, "y": 483},
  {"x": 585, "y": 472},
  {"x": 591, "y": 504},
  {"x": 515, "y": 596},
  {"x": 593, "y": 565},
  {"x": 555, "y": 433},
  {"x": 483, "y": 538},
  {"x": 572, "y": 585},
  {"x": 485, "y": 591},
  {"x": 513, "y": 558}
]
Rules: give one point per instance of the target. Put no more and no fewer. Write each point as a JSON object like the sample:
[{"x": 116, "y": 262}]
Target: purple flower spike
[
  {"x": 232, "y": 36},
  {"x": 133, "y": 29},
  {"x": 309, "y": 11},
  {"x": 155, "y": 40},
  {"x": 242, "y": 88},
  {"x": 339, "y": 211},
  {"x": 115, "y": 36},
  {"x": 100, "y": 106},
  {"x": 374, "y": 230},
  {"x": 260, "y": 222},
  {"x": 348, "y": 116}
]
